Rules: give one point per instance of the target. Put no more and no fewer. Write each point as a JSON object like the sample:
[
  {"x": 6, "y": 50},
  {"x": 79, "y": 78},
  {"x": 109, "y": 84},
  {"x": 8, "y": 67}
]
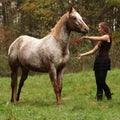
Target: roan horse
[{"x": 48, "y": 54}]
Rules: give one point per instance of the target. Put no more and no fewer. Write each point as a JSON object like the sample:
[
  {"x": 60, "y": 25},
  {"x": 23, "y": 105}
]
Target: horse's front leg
[
  {"x": 60, "y": 72},
  {"x": 53, "y": 77}
]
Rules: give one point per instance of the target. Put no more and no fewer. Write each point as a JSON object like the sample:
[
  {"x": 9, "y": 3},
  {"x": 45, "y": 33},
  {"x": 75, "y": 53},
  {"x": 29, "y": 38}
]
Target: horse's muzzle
[{"x": 85, "y": 31}]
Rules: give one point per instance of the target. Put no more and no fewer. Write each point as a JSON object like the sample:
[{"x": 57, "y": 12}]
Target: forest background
[{"x": 37, "y": 17}]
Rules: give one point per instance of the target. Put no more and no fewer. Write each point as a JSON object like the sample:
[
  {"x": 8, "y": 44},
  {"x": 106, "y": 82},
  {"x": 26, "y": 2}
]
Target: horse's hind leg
[
  {"x": 23, "y": 78},
  {"x": 14, "y": 83}
]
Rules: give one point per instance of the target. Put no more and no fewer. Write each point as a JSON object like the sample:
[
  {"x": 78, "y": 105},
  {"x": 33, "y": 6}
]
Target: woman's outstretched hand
[
  {"x": 83, "y": 37},
  {"x": 79, "y": 57}
]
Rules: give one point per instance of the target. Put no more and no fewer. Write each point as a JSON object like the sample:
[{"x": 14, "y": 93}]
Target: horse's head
[{"x": 75, "y": 22}]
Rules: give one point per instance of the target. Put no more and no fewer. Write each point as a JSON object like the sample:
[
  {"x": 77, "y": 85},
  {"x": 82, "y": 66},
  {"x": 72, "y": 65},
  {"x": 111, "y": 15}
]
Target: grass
[{"x": 38, "y": 100}]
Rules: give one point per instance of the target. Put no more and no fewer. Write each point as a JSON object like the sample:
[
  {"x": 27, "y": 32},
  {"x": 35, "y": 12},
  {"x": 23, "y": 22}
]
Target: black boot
[
  {"x": 109, "y": 96},
  {"x": 99, "y": 97}
]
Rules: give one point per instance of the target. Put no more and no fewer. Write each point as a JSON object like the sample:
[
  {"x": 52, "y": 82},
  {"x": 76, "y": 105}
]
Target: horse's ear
[{"x": 71, "y": 9}]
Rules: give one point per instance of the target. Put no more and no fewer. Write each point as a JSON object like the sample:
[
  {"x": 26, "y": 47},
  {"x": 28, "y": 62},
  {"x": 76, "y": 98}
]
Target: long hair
[{"x": 106, "y": 28}]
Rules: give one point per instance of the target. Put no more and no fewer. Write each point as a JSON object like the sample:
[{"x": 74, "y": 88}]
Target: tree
[{"x": 37, "y": 17}]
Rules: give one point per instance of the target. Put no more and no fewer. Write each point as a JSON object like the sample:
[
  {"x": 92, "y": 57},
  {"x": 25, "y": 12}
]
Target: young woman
[{"x": 102, "y": 60}]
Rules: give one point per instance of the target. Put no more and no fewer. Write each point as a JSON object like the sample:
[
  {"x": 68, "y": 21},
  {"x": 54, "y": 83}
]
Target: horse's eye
[{"x": 74, "y": 18}]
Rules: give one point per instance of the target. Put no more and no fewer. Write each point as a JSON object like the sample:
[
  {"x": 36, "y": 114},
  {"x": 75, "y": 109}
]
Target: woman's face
[{"x": 100, "y": 29}]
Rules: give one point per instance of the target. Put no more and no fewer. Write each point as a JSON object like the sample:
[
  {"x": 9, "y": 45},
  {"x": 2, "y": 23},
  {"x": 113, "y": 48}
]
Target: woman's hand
[
  {"x": 79, "y": 56},
  {"x": 83, "y": 37}
]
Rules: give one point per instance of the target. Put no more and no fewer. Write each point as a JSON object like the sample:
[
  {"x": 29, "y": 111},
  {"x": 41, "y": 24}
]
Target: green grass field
[{"x": 38, "y": 100}]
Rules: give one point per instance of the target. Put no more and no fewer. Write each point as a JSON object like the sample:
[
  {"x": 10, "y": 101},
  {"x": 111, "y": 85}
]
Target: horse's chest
[{"x": 64, "y": 59}]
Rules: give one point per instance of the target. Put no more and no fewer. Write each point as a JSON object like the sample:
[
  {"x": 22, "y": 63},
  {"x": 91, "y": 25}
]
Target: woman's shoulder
[{"x": 106, "y": 38}]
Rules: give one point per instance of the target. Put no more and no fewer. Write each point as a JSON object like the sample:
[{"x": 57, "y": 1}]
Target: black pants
[{"x": 100, "y": 76}]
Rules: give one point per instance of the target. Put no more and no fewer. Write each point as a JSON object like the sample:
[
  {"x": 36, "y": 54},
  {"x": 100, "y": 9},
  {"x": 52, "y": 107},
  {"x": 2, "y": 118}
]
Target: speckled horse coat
[{"x": 49, "y": 54}]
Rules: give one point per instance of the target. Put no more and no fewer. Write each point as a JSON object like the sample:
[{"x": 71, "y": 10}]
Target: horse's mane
[{"x": 57, "y": 27}]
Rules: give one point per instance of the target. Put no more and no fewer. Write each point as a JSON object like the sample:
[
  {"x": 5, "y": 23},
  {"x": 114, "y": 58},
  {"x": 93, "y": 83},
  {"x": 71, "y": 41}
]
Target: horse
[{"x": 48, "y": 54}]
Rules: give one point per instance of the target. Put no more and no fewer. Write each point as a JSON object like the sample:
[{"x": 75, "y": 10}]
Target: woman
[{"x": 102, "y": 61}]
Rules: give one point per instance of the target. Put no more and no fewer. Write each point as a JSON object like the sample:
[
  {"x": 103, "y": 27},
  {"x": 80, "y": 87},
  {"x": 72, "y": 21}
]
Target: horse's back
[{"x": 18, "y": 42}]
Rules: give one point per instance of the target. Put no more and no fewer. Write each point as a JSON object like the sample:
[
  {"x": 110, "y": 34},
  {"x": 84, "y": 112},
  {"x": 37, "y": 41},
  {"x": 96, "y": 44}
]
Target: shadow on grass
[{"x": 38, "y": 103}]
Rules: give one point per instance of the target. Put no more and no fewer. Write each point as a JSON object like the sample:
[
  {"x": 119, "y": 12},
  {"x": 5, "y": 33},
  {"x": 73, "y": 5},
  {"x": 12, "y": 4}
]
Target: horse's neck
[{"x": 60, "y": 31}]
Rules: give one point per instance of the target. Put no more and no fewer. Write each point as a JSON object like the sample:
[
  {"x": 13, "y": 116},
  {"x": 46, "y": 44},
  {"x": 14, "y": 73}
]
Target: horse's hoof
[
  {"x": 17, "y": 99},
  {"x": 59, "y": 102},
  {"x": 12, "y": 101}
]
